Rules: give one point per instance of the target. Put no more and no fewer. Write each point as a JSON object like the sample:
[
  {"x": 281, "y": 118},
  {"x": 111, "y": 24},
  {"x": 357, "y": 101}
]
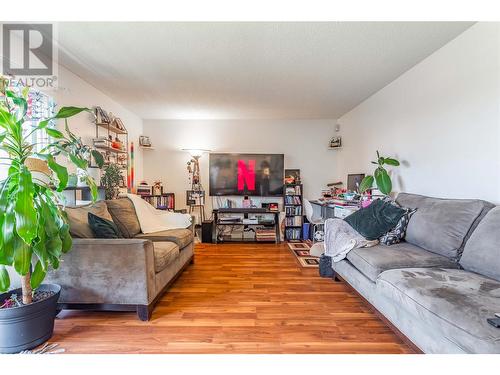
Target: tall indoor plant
[
  {"x": 111, "y": 180},
  {"x": 380, "y": 176},
  {"x": 34, "y": 232}
]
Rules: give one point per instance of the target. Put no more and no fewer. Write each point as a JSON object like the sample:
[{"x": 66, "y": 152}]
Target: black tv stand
[{"x": 246, "y": 212}]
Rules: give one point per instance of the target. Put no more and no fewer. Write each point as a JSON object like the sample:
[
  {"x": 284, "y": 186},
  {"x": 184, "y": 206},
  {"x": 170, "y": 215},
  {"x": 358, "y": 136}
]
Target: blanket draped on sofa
[
  {"x": 340, "y": 238},
  {"x": 152, "y": 220}
]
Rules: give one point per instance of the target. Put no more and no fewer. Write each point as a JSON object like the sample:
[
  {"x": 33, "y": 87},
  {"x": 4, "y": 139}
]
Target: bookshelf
[
  {"x": 165, "y": 201},
  {"x": 293, "y": 211},
  {"x": 111, "y": 140}
]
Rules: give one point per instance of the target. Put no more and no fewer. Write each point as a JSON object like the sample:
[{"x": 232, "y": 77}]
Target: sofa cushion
[
  {"x": 450, "y": 221},
  {"x": 374, "y": 260},
  {"x": 78, "y": 218},
  {"x": 103, "y": 228},
  {"x": 376, "y": 219},
  {"x": 123, "y": 212},
  {"x": 454, "y": 303},
  {"x": 164, "y": 254},
  {"x": 482, "y": 250},
  {"x": 182, "y": 237}
]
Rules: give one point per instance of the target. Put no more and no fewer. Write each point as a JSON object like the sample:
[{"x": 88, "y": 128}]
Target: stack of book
[
  {"x": 293, "y": 190},
  {"x": 293, "y": 221},
  {"x": 293, "y": 234},
  {"x": 293, "y": 199},
  {"x": 143, "y": 190},
  {"x": 161, "y": 202},
  {"x": 264, "y": 234},
  {"x": 293, "y": 210},
  {"x": 102, "y": 142}
]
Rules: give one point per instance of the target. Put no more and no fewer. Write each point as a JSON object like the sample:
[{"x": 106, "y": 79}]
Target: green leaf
[
  {"x": 99, "y": 159},
  {"x": 43, "y": 124},
  {"x": 93, "y": 187},
  {"x": 22, "y": 256},
  {"x": 66, "y": 112},
  {"x": 67, "y": 241},
  {"x": 4, "y": 280},
  {"x": 384, "y": 183},
  {"x": 38, "y": 275},
  {"x": 7, "y": 120},
  {"x": 79, "y": 162},
  {"x": 61, "y": 172},
  {"x": 51, "y": 228},
  {"x": 53, "y": 245},
  {"x": 72, "y": 136},
  {"x": 26, "y": 216},
  {"x": 8, "y": 236},
  {"x": 20, "y": 102},
  {"x": 366, "y": 184},
  {"x": 392, "y": 162},
  {"x": 54, "y": 133}
]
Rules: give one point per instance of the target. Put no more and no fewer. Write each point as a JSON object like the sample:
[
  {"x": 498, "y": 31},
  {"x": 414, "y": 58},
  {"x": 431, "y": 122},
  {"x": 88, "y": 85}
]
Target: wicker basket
[{"x": 39, "y": 169}]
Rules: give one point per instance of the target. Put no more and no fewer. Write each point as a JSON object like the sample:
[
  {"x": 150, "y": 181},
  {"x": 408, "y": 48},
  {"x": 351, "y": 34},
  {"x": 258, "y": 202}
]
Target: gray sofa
[
  {"x": 127, "y": 274},
  {"x": 439, "y": 287}
]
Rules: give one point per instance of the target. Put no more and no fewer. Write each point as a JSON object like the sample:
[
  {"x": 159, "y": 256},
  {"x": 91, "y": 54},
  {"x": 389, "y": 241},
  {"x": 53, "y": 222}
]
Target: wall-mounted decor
[
  {"x": 144, "y": 141},
  {"x": 336, "y": 142}
]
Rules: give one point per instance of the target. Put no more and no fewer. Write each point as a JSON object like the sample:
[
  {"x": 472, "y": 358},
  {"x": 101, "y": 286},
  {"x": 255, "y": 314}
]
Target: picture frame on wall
[{"x": 336, "y": 142}]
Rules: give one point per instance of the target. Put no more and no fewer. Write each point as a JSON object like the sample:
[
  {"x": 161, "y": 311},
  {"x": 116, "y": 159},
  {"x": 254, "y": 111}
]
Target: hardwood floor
[{"x": 238, "y": 298}]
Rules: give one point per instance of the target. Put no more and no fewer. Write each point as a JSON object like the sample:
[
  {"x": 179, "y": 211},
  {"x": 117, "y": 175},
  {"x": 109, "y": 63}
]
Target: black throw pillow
[
  {"x": 103, "y": 228},
  {"x": 376, "y": 219}
]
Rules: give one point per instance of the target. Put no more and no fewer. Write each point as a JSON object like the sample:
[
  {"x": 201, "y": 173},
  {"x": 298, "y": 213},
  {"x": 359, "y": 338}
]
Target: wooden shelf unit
[
  {"x": 105, "y": 130},
  {"x": 165, "y": 201}
]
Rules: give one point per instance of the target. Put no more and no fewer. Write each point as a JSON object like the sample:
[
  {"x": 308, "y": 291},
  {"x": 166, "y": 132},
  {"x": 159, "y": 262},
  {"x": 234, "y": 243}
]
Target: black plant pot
[{"x": 28, "y": 326}]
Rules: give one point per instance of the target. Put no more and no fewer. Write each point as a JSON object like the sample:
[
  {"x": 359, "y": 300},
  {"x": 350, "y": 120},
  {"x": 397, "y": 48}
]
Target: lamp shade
[{"x": 195, "y": 152}]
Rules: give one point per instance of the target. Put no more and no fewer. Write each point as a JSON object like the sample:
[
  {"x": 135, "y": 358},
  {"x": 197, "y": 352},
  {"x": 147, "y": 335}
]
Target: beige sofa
[{"x": 128, "y": 274}]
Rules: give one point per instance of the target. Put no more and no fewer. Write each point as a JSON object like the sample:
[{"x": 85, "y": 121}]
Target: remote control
[{"x": 495, "y": 322}]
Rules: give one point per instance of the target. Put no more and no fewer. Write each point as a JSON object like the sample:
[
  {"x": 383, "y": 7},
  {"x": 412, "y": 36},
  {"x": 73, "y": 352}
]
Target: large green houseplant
[
  {"x": 381, "y": 176},
  {"x": 33, "y": 224},
  {"x": 111, "y": 180}
]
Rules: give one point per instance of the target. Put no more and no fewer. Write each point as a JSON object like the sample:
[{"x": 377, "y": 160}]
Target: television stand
[{"x": 218, "y": 221}]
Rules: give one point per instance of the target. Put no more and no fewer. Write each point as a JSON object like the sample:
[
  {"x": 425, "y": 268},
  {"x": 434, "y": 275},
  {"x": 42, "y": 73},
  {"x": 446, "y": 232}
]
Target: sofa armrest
[{"x": 107, "y": 271}]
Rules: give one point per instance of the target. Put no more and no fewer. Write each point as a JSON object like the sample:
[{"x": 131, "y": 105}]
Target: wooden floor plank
[{"x": 238, "y": 298}]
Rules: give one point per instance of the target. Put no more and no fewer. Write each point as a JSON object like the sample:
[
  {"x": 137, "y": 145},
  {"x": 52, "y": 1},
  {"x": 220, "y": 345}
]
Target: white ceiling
[{"x": 247, "y": 70}]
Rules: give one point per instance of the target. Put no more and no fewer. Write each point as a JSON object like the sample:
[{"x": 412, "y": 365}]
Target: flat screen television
[{"x": 246, "y": 174}]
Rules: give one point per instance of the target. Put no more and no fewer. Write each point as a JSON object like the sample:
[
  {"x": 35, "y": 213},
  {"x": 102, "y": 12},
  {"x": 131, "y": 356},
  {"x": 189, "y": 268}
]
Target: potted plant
[
  {"x": 111, "y": 180},
  {"x": 34, "y": 232},
  {"x": 380, "y": 176}
]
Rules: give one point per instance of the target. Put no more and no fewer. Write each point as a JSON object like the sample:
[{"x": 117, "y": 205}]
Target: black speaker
[{"x": 206, "y": 231}]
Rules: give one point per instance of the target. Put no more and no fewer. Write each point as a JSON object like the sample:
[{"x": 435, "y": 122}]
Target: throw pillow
[
  {"x": 103, "y": 228},
  {"x": 398, "y": 233},
  {"x": 376, "y": 219},
  {"x": 78, "y": 218}
]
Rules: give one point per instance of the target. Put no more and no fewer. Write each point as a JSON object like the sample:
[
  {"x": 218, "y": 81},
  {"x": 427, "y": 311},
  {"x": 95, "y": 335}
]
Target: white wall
[
  {"x": 73, "y": 91},
  {"x": 304, "y": 143},
  {"x": 441, "y": 118}
]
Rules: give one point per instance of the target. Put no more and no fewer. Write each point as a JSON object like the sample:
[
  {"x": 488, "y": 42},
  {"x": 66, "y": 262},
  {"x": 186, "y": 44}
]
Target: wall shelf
[{"x": 111, "y": 128}]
